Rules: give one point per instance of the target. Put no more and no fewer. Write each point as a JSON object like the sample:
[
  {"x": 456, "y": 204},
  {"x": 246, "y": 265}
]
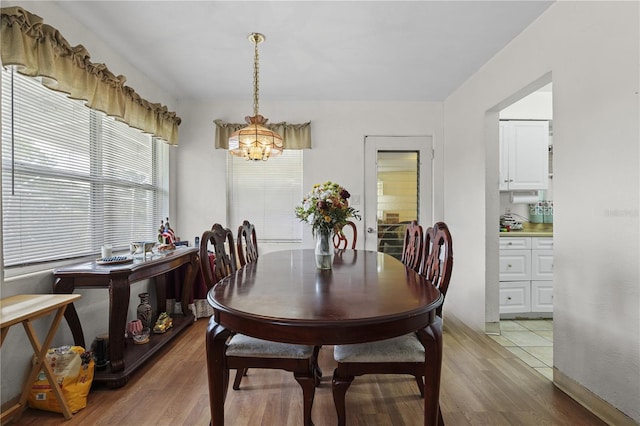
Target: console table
[
  {"x": 24, "y": 308},
  {"x": 125, "y": 358}
]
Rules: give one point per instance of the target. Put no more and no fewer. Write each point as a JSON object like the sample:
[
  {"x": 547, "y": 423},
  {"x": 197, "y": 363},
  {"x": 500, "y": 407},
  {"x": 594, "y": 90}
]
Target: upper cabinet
[{"x": 524, "y": 155}]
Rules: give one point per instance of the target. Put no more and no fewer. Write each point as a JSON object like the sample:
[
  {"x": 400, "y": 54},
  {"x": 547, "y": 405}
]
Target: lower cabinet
[
  {"x": 526, "y": 275},
  {"x": 541, "y": 296},
  {"x": 515, "y": 297}
]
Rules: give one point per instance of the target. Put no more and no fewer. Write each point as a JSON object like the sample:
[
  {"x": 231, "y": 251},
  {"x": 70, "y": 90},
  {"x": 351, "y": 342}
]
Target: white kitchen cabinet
[
  {"x": 515, "y": 297},
  {"x": 515, "y": 265},
  {"x": 526, "y": 275},
  {"x": 542, "y": 265},
  {"x": 541, "y": 296},
  {"x": 524, "y": 155}
]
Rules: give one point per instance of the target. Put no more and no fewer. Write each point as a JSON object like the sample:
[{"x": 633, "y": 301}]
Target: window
[
  {"x": 73, "y": 178},
  {"x": 265, "y": 193}
]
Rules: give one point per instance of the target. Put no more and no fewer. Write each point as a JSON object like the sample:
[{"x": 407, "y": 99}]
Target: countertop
[{"x": 531, "y": 230}]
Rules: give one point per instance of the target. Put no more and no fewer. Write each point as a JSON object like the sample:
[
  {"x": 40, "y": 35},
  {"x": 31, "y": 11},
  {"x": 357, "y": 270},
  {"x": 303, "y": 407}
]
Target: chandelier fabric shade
[{"x": 255, "y": 142}]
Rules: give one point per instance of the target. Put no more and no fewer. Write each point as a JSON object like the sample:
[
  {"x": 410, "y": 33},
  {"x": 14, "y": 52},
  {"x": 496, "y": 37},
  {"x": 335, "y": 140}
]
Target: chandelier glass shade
[{"x": 255, "y": 141}]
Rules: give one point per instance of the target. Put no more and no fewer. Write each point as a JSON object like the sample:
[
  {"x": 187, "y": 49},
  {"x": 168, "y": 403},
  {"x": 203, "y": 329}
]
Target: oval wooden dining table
[{"x": 283, "y": 297}]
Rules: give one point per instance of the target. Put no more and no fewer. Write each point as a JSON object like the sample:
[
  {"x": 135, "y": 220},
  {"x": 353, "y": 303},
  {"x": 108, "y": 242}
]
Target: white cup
[{"x": 106, "y": 251}]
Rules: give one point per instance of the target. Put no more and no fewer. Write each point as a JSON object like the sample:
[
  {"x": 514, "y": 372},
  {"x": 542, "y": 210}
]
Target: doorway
[
  {"x": 522, "y": 284},
  {"x": 398, "y": 188}
]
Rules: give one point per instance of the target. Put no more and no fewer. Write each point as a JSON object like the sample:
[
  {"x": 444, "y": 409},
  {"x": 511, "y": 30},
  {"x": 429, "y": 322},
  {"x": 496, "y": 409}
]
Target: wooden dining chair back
[
  {"x": 205, "y": 254},
  {"x": 437, "y": 258},
  {"x": 412, "y": 246},
  {"x": 347, "y": 233},
  {"x": 220, "y": 241},
  {"x": 247, "y": 243},
  {"x": 404, "y": 354}
]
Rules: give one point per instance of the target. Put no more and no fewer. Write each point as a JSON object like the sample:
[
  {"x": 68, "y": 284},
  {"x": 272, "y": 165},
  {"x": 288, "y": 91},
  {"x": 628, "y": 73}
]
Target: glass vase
[
  {"x": 144, "y": 310},
  {"x": 324, "y": 250}
]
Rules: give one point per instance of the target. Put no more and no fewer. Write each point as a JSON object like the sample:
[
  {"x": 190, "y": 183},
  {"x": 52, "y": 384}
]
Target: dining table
[{"x": 282, "y": 296}]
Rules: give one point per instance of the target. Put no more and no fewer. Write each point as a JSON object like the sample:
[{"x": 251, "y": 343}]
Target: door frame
[{"x": 424, "y": 144}]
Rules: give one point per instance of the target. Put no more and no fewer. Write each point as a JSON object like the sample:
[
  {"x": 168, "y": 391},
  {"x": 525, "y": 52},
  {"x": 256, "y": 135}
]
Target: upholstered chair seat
[
  {"x": 241, "y": 345},
  {"x": 405, "y": 348}
]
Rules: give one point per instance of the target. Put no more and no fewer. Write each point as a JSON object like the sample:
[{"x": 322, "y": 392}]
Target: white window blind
[
  {"x": 73, "y": 179},
  {"x": 266, "y": 193}
]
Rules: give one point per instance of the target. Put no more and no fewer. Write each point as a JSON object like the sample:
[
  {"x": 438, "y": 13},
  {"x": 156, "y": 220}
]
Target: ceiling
[{"x": 314, "y": 50}]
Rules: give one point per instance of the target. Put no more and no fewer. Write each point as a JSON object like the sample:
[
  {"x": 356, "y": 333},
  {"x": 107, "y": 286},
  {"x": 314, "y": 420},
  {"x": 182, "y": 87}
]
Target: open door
[{"x": 397, "y": 189}]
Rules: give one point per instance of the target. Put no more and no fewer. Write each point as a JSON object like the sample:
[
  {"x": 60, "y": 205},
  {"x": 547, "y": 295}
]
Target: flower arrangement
[{"x": 326, "y": 208}]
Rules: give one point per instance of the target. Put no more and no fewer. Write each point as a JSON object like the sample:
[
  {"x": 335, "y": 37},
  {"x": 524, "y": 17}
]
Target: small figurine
[
  {"x": 165, "y": 233},
  {"x": 163, "y": 323}
]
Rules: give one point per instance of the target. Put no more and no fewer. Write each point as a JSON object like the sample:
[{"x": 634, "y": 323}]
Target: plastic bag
[{"x": 73, "y": 368}]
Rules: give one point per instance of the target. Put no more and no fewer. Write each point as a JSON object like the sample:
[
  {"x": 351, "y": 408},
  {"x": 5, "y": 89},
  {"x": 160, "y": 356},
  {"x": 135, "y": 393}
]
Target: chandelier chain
[{"x": 256, "y": 68}]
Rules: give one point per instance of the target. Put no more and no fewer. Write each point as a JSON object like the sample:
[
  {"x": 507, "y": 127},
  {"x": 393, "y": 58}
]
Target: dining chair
[
  {"x": 221, "y": 241},
  {"x": 412, "y": 246},
  {"x": 247, "y": 243},
  {"x": 244, "y": 352},
  {"x": 341, "y": 239},
  {"x": 404, "y": 354}
]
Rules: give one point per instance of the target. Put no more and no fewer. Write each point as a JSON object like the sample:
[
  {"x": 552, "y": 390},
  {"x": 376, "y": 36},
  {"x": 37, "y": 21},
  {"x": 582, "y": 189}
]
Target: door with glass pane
[{"x": 397, "y": 189}]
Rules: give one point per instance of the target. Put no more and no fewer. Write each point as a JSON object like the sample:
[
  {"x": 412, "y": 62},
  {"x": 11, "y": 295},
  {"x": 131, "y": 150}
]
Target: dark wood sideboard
[{"x": 125, "y": 356}]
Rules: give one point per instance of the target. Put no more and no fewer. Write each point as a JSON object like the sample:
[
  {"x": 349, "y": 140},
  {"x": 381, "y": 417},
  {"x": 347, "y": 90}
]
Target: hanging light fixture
[{"x": 255, "y": 142}]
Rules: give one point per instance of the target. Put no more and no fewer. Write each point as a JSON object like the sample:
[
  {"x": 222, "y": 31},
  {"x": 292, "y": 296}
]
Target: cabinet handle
[
  {"x": 509, "y": 243},
  {"x": 509, "y": 266},
  {"x": 508, "y": 297}
]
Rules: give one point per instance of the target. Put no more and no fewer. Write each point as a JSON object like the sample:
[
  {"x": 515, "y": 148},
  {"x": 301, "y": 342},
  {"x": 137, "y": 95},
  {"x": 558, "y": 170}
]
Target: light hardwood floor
[{"x": 482, "y": 384}]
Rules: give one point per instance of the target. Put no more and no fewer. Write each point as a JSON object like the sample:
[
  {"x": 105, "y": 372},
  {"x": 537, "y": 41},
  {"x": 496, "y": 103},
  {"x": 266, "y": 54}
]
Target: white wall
[
  {"x": 536, "y": 106},
  {"x": 93, "y": 307},
  {"x": 591, "y": 50},
  {"x": 337, "y": 132}
]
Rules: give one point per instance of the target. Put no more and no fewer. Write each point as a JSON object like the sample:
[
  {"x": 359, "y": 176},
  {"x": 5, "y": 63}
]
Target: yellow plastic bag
[{"x": 73, "y": 368}]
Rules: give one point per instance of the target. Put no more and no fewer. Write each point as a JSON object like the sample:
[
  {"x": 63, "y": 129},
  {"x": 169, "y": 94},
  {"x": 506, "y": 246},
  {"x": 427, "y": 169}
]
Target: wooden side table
[
  {"x": 125, "y": 359},
  {"x": 25, "y": 308}
]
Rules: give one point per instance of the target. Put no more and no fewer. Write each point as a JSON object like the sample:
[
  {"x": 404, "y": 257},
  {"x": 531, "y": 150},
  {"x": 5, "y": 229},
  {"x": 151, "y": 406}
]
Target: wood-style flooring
[{"x": 482, "y": 384}]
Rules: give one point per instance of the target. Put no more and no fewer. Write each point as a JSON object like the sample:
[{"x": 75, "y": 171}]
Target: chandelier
[{"x": 255, "y": 141}]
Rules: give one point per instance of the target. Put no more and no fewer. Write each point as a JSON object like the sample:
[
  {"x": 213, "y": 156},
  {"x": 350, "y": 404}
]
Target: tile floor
[{"x": 531, "y": 341}]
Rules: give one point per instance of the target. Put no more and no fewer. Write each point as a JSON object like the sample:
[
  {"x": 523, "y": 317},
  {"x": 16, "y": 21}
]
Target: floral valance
[
  {"x": 294, "y": 136},
  {"x": 39, "y": 50}
]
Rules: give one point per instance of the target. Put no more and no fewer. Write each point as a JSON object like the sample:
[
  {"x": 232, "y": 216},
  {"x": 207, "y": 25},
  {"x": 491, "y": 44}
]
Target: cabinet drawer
[
  {"x": 542, "y": 296},
  {"x": 515, "y": 243},
  {"x": 515, "y": 297},
  {"x": 515, "y": 265},
  {"x": 542, "y": 243},
  {"x": 542, "y": 264}
]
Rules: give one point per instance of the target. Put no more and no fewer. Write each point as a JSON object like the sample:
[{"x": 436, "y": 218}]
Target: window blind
[
  {"x": 266, "y": 193},
  {"x": 73, "y": 178}
]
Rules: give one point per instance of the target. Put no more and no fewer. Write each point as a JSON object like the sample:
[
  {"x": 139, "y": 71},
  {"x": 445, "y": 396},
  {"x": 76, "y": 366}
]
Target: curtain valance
[
  {"x": 39, "y": 50},
  {"x": 294, "y": 136}
]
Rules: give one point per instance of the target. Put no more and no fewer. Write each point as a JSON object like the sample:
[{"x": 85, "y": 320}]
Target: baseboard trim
[
  {"x": 492, "y": 328},
  {"x": 592, "y": 402}
]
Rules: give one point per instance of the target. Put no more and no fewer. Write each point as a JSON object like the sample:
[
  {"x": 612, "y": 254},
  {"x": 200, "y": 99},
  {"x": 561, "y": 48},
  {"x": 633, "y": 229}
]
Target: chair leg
[
  {"x": 316, "y": 353},
  {"x": 317, "y": 374},
  {"x": 420, "y": 383},
  {"x": 308, "y": 384},
  {"x": 339, "y": 387},
  {"x": 239, "y": 374}
]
